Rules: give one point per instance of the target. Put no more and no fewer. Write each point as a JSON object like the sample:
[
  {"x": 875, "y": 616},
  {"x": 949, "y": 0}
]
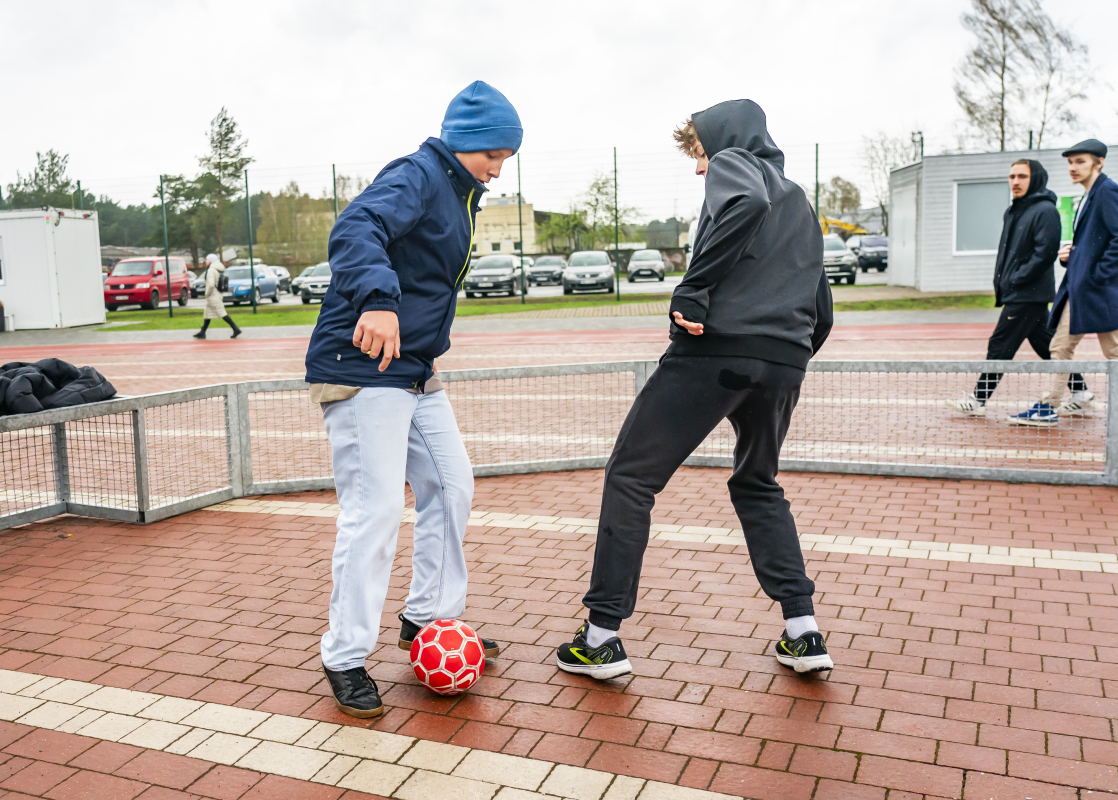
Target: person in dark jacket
[
  {"x": 1024, "y": 278},
  {"x": 1087, "y": 301},
  {"x": 754, "y": 307},
  {"x": 398, "y": 254}
]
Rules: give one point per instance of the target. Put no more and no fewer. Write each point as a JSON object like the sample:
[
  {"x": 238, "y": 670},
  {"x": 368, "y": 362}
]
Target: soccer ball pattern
[{"x": 447, "y": 656}]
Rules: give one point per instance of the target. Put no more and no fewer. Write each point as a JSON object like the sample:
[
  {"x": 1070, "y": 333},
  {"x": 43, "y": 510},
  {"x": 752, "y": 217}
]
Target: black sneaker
[
  {"x": 409, "y": 629},
  {"x": 806, "y": 654},
  {"x": 355, "y": 693},
  {"x": 602, "y": 663}
]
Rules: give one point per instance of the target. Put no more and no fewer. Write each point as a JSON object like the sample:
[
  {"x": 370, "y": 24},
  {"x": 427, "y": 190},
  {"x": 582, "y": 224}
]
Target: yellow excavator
[{"x": 850, "y": 228}]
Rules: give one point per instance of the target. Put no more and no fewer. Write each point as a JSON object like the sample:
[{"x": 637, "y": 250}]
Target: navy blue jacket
[
  {"x": 402, "y": 245},
  {"x": 1092, "y": 277}
]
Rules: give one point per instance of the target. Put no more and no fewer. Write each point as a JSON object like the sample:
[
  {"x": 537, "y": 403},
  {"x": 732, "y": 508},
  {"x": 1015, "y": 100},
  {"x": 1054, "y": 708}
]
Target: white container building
[
  {"x": 50, "y": 268},
  {"x": 945, "y": 217}
]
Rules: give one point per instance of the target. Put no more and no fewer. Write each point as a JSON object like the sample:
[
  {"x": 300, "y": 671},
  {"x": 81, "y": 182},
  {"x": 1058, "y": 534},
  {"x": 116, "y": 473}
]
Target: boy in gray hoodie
[{"x": 754, "y": 307}]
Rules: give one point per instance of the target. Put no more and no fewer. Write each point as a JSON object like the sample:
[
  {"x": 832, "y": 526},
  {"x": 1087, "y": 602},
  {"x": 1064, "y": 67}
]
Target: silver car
[
  {"x": 838, "y": 262},
  {"x": 315, "y": 282},
  {"x": 588, "y": 270},
  {"x": 647, "y": 264}
]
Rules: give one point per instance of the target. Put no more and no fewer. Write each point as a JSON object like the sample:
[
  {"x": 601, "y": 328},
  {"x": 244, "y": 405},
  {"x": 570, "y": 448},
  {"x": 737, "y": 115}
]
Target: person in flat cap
[{"x": 1087, "y": 301}]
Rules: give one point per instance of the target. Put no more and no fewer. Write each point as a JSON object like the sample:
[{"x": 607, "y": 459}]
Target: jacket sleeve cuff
[
  {"x": 380, "y": 304},
  {"x": 689, "y": 309}
]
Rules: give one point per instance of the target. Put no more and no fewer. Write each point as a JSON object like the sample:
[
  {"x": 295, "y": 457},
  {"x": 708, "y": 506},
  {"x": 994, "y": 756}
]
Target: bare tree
[
  {"x": 839, "y": 196},
  {"x": 1062, "y": 78},
  {"x": 882, "y": 153},
  {"x": 989, "y": 82}
]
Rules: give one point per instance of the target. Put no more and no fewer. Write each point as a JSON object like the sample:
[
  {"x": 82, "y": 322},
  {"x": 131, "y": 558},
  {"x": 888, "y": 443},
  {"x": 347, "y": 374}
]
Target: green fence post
[
  {"x": 251, "y": 260},
  {"x": 520, "y": 215},
  {"x": 334, "y": 173},
  {"x": 817, "y": 214},
  {"x": 616, "y": 233},
  {"x": 166, "y": 249}
]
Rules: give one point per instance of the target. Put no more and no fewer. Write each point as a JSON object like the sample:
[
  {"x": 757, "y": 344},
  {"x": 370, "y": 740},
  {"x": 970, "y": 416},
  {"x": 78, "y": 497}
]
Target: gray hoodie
[{"x": 756, "y": 279}]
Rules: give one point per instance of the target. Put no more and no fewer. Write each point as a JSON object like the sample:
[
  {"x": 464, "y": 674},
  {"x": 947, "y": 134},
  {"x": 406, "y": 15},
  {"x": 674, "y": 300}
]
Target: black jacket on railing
[
  {"x": 1029, "y": 243},
  {"x": 49, "y": 383}
]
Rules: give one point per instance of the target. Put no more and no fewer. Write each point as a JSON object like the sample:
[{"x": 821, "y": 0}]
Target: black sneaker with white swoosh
[
  {"x": 602, "y": 663},
  {"x": 806, "y": 654}
]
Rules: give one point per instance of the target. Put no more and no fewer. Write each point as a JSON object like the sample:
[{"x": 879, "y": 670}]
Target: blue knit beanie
[{"x": 481, "y": 118}]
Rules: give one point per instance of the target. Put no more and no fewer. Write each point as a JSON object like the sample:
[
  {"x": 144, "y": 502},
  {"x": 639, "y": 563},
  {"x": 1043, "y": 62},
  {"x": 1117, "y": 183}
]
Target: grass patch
[
  {"x": 267, "y": 315},
  {"x": 966, "y": 301}
]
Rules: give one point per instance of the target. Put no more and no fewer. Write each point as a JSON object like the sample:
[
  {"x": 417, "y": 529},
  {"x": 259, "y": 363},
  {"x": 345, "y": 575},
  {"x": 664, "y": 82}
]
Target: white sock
[
  {"x": 798, "y": 626},
  {"x": 596, "y": 637}
]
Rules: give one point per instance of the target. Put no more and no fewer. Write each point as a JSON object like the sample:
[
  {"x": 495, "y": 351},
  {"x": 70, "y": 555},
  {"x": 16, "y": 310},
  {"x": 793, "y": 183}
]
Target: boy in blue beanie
[{"x": 398, "y": 254}]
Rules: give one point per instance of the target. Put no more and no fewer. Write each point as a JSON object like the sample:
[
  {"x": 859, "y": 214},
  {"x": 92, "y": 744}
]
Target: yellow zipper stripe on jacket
[{"x": 470, "y": 246}]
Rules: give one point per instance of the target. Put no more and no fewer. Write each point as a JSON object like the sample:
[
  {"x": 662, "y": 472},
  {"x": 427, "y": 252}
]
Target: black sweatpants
[
  {"x": 683, "y": 401},
  {"x": 1018, "y": 322}
]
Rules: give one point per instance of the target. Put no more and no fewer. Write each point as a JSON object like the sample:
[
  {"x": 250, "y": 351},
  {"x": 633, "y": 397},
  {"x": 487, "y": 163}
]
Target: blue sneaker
[{"x": 1041, "y": 415}]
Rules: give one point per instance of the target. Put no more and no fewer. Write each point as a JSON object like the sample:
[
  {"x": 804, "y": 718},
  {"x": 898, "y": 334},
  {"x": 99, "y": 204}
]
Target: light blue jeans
[{"x": 379, "y": 438}]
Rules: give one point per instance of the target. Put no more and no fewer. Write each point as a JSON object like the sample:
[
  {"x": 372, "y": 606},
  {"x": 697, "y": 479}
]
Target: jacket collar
[{"x": 461, "y": 177}]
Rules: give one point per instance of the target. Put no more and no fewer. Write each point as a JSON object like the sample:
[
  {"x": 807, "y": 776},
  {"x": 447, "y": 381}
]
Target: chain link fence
[{"x": 147, "y": 458}]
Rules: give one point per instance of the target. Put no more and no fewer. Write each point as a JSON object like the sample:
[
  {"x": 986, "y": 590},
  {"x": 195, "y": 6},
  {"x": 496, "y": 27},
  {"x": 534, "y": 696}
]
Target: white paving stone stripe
[
  {"x": 686, "y": 534},
  {"x": 375, "y": 762}
]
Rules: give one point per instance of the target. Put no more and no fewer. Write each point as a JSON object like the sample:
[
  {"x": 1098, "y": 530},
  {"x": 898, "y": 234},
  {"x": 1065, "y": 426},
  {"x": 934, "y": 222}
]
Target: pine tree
[{"x": 224, "y": 165}]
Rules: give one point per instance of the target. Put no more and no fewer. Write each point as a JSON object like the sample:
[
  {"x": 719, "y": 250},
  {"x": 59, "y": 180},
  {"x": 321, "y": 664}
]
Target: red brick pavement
[
  {"x": 954, "y": 680},
  {"x": 63, "y": 766}
]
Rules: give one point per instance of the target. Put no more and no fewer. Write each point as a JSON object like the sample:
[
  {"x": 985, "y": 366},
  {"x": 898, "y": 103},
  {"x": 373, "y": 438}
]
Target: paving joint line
[{"x": 683, "y": 535}]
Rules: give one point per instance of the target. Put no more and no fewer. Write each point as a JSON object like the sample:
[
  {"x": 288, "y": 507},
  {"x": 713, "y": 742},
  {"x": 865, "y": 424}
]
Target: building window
[
  {"x": 978, "y": 216},
  {"x": 516, "y": 247},
  {"x": 495, "y": 247},
  {"x": 474, "y": 248}
]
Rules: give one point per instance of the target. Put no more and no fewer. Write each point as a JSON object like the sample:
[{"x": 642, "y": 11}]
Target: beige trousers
[{"x": 1063, "y": 348}]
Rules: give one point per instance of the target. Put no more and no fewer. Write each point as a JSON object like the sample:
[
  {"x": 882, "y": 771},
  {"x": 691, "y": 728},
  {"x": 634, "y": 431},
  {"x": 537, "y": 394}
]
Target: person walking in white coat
[{"x": 215, "y": 309}]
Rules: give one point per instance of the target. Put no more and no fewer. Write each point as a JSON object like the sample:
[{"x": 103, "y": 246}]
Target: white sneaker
[
  {"x": 1080, "y": 403},
  {"x": 969, "y": 405}
]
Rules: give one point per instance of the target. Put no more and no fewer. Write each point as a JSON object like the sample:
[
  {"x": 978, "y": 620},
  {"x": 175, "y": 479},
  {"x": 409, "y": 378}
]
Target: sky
[{"x": 127, "y": 89}]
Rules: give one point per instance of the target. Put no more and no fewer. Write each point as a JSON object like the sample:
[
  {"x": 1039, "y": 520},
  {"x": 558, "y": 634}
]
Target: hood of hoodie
[
  {"x": 737, "y": 124},
  {"x": 1038, "y": 188}
]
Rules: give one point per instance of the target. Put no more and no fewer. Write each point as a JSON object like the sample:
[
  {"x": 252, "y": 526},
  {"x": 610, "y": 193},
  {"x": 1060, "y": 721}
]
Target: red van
[{"x": 142, "y": 280}]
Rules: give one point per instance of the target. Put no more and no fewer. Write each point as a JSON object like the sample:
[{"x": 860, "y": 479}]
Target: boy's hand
[
  {"x": 694, "y": 328},
  {"x": 378, "y": 331},
  {"x": 1065, "y": 253}
]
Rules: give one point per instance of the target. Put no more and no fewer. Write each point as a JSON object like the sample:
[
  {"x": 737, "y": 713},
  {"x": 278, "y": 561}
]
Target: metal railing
[{"x": 143, "y": 459}]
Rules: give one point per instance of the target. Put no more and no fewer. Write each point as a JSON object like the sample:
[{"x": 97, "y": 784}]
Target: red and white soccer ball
[{"x": 447, "y": 656}]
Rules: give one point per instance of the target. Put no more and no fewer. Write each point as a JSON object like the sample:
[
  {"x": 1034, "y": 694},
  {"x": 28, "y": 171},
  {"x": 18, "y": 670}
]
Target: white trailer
[{"x": 50, "y": 268}]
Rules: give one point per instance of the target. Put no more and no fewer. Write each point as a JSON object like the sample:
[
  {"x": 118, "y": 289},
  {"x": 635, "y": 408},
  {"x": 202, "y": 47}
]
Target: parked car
[
  {"x": 298, "y": 281},
  {"x": 142, "y": 281},
  {"x": 239, "y": 288},
  {"x": 588, "y": 270},
  {"x": 647, "y": 264},
  {"x": 839, "y": 263},
  {"x": 496, "y": 275},
  {"x": 283, "y": 277},
  {"x": 315, "y": 282},
  {"x": 198, "y": 284},
  {"x": 547, "y": 271},
  {"x": 872, "y": 251}
]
